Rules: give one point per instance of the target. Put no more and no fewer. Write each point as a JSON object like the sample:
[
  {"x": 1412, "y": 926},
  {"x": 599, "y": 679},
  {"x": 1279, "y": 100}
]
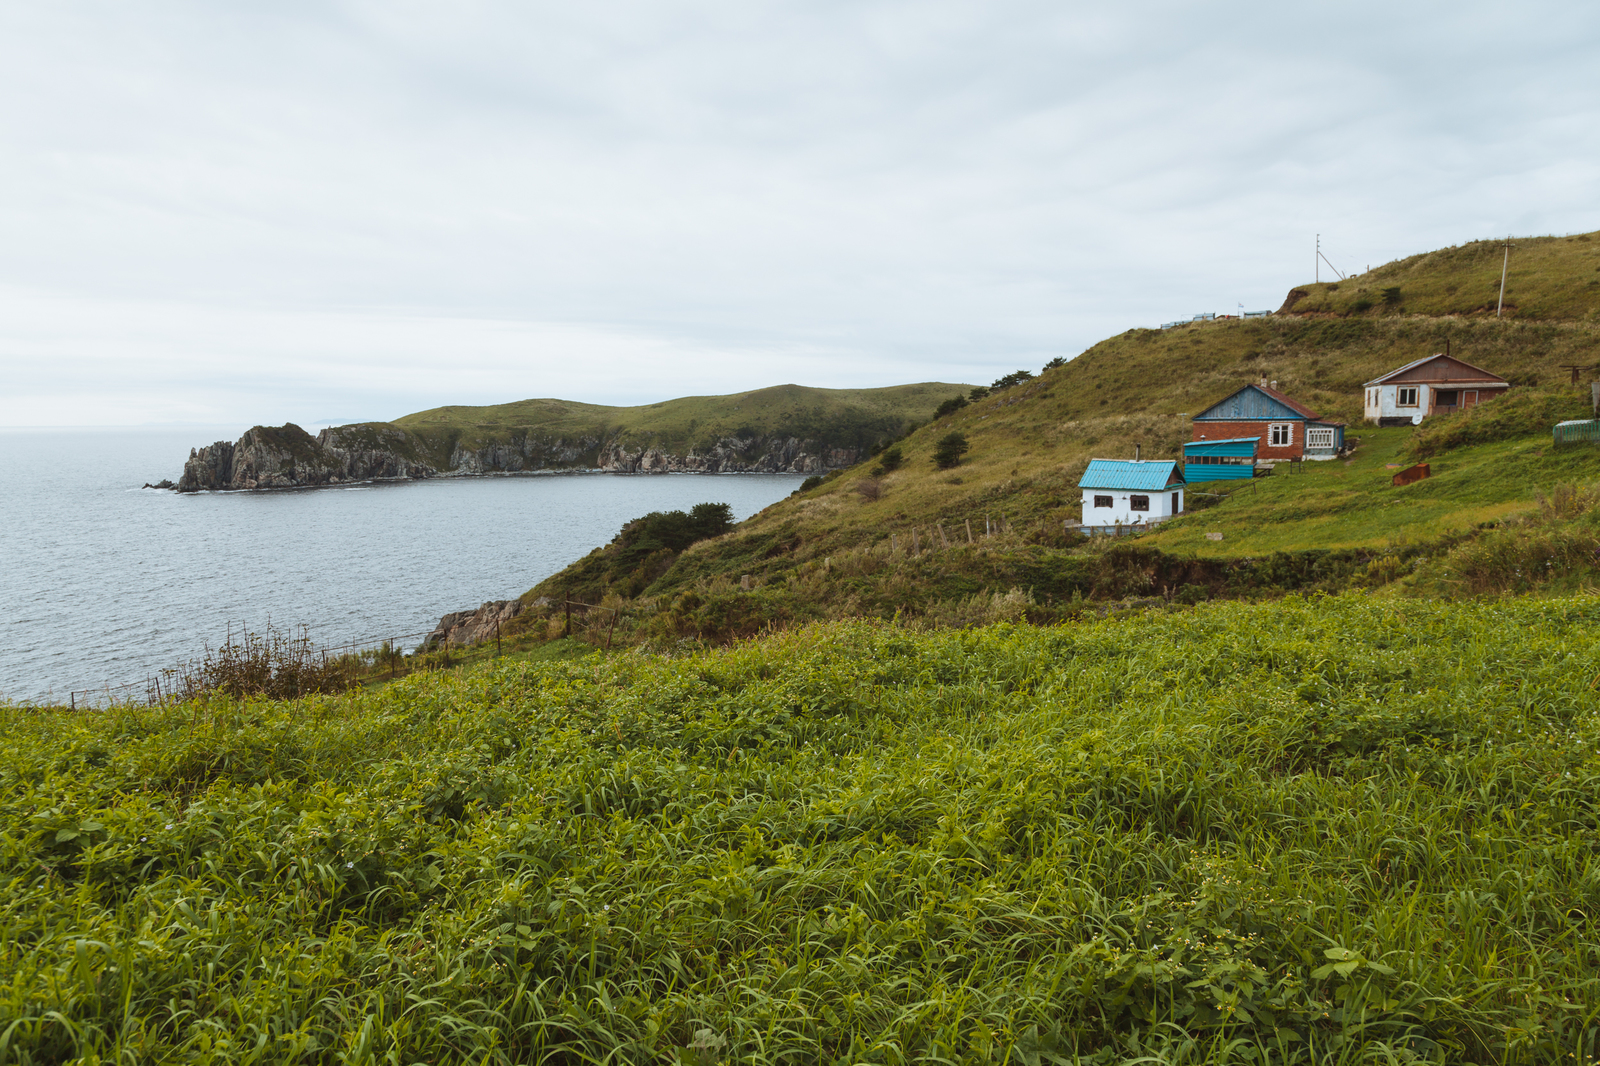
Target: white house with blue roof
[{"x": 1119, "y": 494}]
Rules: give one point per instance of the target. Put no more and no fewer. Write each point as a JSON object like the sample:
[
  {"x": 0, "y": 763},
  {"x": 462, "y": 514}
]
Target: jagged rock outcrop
[
  {"x": 210, "y": 467},
  {"x": 769, "y": 455},
  {"x": 288, "y": 457},
  {"x": 473, "y": 627}
]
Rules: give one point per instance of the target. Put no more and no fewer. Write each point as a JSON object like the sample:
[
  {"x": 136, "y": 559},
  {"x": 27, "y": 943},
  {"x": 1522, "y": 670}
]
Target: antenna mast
[
  {"x": 1324, "y": 259},
  {"x": 1504, "y": 263}
]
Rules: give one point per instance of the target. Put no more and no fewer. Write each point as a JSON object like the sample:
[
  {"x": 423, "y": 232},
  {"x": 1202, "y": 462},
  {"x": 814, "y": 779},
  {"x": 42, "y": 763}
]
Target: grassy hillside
[
  {"x": 1549, "y": 278},
  {"x": 1288, "y": 833},
  {"x": 856, "y": 418},
  {"x": 1029, "y": 444}
]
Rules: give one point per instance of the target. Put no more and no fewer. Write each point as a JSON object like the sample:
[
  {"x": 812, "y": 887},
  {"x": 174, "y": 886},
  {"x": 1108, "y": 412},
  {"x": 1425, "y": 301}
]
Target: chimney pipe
[
  {"x": 1136, "y": 453},
  {"x": 1274, "y": 385}
]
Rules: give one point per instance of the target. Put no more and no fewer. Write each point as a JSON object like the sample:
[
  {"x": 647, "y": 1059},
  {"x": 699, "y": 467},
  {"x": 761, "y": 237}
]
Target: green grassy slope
[
  {"x": 1549, "y": 278},
  {"x": 1354, "y": 504},
  {"x": 1029, "y": 444},
  {"x": 845, "y": 417},
  {"x": 1288, "y": 833}
]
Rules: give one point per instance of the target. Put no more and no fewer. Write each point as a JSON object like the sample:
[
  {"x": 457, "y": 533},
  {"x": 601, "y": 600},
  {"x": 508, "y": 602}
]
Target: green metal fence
[{"x": 1576, "y": 430}]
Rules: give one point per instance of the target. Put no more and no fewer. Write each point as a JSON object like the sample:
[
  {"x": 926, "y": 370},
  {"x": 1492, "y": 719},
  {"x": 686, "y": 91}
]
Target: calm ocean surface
[{"x": 102, "y": 582}]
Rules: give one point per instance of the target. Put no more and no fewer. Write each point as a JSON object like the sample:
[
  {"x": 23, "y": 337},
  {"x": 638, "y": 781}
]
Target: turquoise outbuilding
[{"x": 1218, "y": 460}]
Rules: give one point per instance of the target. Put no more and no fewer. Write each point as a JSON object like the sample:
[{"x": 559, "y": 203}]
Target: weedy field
[{"x": 1326, "y": 829}]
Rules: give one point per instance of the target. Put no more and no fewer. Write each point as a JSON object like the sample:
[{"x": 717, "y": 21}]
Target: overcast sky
[{"x": 230, "y": 212}]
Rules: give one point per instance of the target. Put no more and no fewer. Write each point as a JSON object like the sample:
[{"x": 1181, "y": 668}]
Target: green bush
[
  {"x": 1522, "y": 412},
  {"x": 951, "y": 447}
]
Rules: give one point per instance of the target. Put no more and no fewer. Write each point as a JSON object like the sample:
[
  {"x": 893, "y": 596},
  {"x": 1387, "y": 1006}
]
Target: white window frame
[
  {"x": 1277, "y": 429},
  {"x": 1319, "y": 437},
  {"x": 1400, "y": 396}
]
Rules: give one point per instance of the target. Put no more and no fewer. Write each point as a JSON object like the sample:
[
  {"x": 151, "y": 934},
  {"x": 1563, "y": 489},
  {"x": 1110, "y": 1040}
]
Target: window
[
  {"x": 1102, "y": 501},
  {"x": 1138, "y": 503},
  {"x": 1319, "y": 438},
  {"x": 1406, "y": 396},
  {"x": 1280, "y": 434}
]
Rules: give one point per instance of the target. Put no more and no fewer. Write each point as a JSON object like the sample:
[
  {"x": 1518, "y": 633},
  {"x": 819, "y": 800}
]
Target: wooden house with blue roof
[
  {"x": 1286, "y": 428},
  {"x": 1125, "y": 493}
]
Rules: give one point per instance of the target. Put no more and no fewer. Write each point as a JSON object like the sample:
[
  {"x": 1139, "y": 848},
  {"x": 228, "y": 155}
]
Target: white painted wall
[
  {"x": 1383, "y": 401},
  {"x": 1121, "y": 510}
]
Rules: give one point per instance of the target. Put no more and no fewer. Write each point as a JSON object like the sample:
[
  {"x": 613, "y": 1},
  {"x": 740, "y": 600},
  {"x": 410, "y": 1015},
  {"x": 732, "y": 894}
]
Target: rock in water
[{"x": 473, "y": 627}]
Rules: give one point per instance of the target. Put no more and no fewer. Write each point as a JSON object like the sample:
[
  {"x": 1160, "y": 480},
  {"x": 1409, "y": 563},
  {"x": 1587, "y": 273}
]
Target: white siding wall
[
  {"x": 1121, "y": 512},
  {"x": 1383, "y": 401}
]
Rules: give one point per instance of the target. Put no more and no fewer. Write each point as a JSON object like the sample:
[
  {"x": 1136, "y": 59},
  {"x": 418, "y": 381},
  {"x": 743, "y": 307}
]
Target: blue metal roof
[
  {"x": 1229, "y": 446},
  {"x": 1255, "y": 403},
  {"x": 1147, "y": 475}
]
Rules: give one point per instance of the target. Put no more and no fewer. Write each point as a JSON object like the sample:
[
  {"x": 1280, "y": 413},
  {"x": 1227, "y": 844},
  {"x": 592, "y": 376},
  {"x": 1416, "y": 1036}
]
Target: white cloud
[{"x": 226, "y": 212}]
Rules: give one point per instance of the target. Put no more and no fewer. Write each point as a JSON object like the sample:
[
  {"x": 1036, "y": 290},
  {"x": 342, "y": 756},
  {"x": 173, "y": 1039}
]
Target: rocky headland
[{"x": 281, "y": 457}]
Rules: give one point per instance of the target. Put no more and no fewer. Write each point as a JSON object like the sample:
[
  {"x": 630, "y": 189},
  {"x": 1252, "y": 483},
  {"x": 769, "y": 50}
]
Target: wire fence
[
  {"x": 173, "y": 683},
  {"x": 169, "y": 684}
]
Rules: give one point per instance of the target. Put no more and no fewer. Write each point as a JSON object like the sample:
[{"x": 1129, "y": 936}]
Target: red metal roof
[
  {"x": 1487, "y": 380},
  {"x": 1290, "y": 403}
]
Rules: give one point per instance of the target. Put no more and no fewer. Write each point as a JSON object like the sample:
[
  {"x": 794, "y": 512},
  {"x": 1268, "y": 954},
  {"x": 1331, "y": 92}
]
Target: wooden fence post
[
  {"x": 613, "y": 629},
  {"x": 915, "y": 547},
  {"x": 944, "y": 540},
  {"x": 569, "y": 617},
  {"x": 893, "y": 544},
  {"x": 497, "y": 638},
  {"x": 969, "y": 530}
]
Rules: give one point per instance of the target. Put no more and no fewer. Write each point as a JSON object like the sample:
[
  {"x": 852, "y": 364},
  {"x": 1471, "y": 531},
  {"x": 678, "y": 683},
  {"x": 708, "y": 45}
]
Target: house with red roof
[{"x": 1286, "y": 428}]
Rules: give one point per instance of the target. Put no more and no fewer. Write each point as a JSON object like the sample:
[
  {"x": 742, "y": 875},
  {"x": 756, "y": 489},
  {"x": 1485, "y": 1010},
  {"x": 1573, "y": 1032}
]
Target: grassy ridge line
[
  {"x": 1291, "y": 833},
  {"x": 846, "y": 417},
  {"x": 1549, "y": 278}
]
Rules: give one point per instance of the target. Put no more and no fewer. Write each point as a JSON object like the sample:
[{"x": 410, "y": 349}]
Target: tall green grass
[{"x": 1322, "y": 830}]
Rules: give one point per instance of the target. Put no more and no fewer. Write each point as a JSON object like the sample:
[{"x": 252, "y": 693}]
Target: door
[{"x": 1469, "y": 397}]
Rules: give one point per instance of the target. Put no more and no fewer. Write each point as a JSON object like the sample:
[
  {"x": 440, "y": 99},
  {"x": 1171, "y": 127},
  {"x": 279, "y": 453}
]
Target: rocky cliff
[
  {"x": 473, "y": 627},
  {"x": 288, "y": 457}
]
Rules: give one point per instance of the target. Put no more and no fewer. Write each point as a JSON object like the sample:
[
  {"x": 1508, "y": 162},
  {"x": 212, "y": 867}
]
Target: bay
[{"x": 104, "y": 582}]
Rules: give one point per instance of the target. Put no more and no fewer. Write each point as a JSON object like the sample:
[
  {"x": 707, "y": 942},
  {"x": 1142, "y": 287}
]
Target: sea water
[{"x": 103, "y": 582}]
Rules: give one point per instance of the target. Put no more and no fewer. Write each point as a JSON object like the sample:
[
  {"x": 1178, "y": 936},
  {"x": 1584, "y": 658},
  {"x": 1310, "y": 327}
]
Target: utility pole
[
  {"x": 1504, "y": 263},
  {"x": 1317, "y": 268}
]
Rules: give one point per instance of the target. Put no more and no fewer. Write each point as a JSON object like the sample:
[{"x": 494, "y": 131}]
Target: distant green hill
[
  {"x": 845, "y": 418},
  {"x": 1548, "y": 278},
  {"x": 785, "y": 428}
]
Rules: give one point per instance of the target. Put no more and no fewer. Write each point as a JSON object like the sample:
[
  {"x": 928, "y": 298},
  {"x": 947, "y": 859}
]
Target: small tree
[
  {"x": 891, "y": 459},
  {"x": 1016, "y": 377},
  {"x": 952, "y": 446}
]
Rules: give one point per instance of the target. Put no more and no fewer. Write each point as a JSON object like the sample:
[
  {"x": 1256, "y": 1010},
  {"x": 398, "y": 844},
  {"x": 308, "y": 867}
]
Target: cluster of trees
[{"x": 671, "y": 531}]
